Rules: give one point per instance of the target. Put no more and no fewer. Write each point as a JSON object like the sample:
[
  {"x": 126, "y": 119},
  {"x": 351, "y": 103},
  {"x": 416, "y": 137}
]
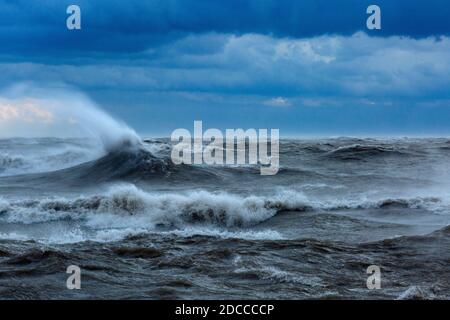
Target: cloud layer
[{"x": 357, "y": 66}]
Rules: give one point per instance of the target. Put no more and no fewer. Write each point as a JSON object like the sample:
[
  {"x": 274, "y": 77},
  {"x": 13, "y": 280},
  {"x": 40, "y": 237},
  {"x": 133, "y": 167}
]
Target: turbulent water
[{"x": 141, "y": 227}]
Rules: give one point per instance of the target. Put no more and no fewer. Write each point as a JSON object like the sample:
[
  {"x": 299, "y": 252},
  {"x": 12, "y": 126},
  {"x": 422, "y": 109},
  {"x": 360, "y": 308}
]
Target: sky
[{"x": 306, "y": 67}]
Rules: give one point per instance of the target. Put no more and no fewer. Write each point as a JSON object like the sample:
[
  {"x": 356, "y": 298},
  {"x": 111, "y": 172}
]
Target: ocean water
[{"x": 141, "y": 227}]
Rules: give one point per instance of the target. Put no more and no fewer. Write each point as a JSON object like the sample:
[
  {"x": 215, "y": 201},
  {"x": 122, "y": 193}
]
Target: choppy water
[{"x": 140, "y": 227}]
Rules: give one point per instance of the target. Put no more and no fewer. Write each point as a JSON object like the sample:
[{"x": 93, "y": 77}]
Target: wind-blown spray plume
[{"x": 30, "y": 111}]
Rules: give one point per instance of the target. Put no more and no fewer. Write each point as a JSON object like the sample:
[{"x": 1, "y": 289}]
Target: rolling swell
[
  {"x": 121, "y": 164},
  {"x": 360, "y": 152},
  {"x": 131, "y": 163},
  {"x": 116, "y": 165}
]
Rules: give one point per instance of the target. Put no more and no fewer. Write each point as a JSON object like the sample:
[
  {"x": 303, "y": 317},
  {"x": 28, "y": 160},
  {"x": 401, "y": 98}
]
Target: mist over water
[{"x": 28, "y": 110}]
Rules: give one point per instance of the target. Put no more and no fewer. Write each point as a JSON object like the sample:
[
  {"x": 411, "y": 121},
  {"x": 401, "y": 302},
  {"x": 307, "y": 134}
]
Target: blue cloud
[{"x": 357, "y": 66}]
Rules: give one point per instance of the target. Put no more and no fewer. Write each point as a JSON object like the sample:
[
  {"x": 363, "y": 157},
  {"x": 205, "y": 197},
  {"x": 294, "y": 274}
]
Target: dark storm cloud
[{"x": 32, "y": 28}]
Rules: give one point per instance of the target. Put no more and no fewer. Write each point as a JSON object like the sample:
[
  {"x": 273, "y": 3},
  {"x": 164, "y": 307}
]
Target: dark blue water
[{"x": 139, "y": 226}]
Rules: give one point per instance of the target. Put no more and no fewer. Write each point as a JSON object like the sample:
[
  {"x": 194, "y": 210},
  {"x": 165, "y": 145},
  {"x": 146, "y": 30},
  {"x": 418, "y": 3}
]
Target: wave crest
[
  {"x": 359, "y": 152},
  {"x": 124, "y": 202}
]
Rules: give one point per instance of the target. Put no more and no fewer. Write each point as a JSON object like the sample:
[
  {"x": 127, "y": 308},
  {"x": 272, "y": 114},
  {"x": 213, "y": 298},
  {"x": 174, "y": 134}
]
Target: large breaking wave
[
  {"x": 128, "y": 206},
  {"x": 28, "y": 110}
]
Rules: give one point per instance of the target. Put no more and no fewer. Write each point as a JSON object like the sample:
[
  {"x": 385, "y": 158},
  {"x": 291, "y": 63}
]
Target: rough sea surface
[{"x": 140, "y": 227}]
